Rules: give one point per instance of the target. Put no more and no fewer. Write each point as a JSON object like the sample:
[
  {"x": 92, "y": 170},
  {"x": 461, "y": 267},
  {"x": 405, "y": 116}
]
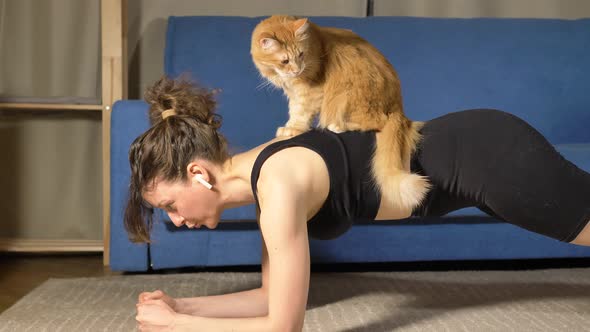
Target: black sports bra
[{"x": 353, "y": 194}]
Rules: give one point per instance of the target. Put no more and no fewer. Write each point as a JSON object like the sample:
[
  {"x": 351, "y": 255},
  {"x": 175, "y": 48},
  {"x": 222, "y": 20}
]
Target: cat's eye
[
  {"x": 301, "y": 54},
  {"x": 286, "y": 61}
]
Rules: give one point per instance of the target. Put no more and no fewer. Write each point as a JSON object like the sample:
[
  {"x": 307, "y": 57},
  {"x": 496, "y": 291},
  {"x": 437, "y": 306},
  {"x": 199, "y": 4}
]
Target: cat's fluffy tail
[{"x": 395, "y": 144}]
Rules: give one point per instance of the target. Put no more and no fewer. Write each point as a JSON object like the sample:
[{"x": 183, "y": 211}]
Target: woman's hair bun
[{"x": 184, "y": 97}]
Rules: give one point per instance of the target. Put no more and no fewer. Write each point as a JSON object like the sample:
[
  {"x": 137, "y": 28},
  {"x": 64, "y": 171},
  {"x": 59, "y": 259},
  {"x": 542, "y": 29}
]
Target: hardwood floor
[{"x": 21, "y": 273}]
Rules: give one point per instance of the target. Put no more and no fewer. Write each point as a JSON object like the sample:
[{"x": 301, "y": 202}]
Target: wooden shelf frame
[
  {"x": 113, "y": 27},
  {"x": 50, "y": 245},
  {"x": 51, "y": 107},
  {"x": 113, "y": 20}
]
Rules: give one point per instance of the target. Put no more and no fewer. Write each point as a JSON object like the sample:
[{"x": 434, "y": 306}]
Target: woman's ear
[
  {"x": 198, "y": 173},
  {"x": 199, "y": 179}
]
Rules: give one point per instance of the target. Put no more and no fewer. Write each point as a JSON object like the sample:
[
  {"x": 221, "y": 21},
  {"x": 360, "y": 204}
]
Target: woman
[{"x": 316, "y": 184}]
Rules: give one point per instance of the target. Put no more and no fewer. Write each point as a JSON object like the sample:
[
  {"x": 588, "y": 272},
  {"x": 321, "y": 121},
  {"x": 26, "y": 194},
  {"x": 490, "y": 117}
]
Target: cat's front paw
[{"x": 288, "y": 132}]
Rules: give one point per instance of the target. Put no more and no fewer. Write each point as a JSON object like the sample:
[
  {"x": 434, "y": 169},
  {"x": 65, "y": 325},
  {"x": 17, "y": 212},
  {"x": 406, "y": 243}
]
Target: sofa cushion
[
  {"x": 469, "y": 238},
  {"x": 128, "y": 120}
]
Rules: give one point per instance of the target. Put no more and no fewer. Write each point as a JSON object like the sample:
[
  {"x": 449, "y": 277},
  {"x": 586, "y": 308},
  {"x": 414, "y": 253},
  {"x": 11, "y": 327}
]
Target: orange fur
[{"x": 340, "y": 77}]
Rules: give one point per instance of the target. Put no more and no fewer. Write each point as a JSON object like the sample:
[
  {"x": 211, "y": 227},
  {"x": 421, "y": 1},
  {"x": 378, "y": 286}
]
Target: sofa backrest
[{"x": 538, "y": 69}]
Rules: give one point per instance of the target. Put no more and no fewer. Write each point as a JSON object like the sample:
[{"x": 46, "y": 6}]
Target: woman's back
[{"x": 347, "y": 158}]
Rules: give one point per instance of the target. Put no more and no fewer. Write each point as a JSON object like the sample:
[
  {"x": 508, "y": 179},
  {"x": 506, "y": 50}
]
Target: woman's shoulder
[
  {"x": 284, "y": 153},
  {"x": 313, "y": 151},
  {"x": 292, "y": 165},
  {"x": 296, "y": 176},
  {"x": 295, "y": 169}
]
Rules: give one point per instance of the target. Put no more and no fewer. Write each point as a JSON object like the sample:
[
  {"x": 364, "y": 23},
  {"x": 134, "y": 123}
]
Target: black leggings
[{"x": 500, "y": 164}]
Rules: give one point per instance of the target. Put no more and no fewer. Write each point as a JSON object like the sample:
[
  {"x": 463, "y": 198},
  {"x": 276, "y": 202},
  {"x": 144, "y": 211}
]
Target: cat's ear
[
  {"x": 300, "y": 26},
  {"x": 268, "y": 44}
]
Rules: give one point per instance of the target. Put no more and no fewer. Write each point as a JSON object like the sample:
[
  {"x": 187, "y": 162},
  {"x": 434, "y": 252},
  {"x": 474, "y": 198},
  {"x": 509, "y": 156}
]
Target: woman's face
[{"x": 186, "y": 203}]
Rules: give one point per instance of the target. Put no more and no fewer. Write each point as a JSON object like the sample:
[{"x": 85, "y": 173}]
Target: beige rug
[{"x": 539, "y": 300}]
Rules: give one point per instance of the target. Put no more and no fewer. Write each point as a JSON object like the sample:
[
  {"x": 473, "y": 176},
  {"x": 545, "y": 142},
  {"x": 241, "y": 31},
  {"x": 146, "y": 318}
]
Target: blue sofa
[{"x": 537, "y": 69}]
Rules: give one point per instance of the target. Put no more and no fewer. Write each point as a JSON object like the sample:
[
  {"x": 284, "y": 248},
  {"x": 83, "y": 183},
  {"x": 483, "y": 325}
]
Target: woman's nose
[{"x": 177, "y": 220}]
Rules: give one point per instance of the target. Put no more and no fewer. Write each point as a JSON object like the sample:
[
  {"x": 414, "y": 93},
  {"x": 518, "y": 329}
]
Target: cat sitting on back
[{"x": 344, "y": 80}]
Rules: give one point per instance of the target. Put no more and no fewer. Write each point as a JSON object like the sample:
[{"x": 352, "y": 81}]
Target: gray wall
[
  {"x": 567, "y": 9},
  {"x": 50, "y": 49}
]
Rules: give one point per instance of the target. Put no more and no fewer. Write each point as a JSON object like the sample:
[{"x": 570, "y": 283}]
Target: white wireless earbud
[{"x": 202, "y": 181}]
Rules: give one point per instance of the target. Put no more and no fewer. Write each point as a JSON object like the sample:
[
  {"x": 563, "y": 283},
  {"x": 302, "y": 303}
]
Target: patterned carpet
[{"x": 537, "y": 300}]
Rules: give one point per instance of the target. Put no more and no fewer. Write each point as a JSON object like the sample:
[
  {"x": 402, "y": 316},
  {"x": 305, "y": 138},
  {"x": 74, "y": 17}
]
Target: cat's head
[{"x": 281, "y": 46}]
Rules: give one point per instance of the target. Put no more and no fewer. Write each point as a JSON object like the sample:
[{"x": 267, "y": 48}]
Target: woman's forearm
[
  {"x": 186, "y": 323},
  {"x": 250, "y": 303}
]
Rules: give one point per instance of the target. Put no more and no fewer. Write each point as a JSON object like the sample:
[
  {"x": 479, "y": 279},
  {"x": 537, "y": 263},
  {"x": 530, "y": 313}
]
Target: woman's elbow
[{"x": 286, "y": 325}]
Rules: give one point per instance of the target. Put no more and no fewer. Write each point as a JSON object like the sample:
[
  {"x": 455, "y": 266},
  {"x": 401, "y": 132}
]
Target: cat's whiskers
[
  {"x": 265, "y": 84},
  {"x": 268, "y": 82}
]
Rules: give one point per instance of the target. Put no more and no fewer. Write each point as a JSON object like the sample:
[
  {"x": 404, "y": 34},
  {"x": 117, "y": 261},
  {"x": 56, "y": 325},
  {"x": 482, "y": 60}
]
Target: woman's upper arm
[
  {"x": 264, "y": 265},
  {"x": 263, "y": 255},
  {"x": 283, "y": 224}
]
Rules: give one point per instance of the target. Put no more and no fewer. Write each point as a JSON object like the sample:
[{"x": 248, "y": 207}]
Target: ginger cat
[{"x": 339, "y": 76}]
